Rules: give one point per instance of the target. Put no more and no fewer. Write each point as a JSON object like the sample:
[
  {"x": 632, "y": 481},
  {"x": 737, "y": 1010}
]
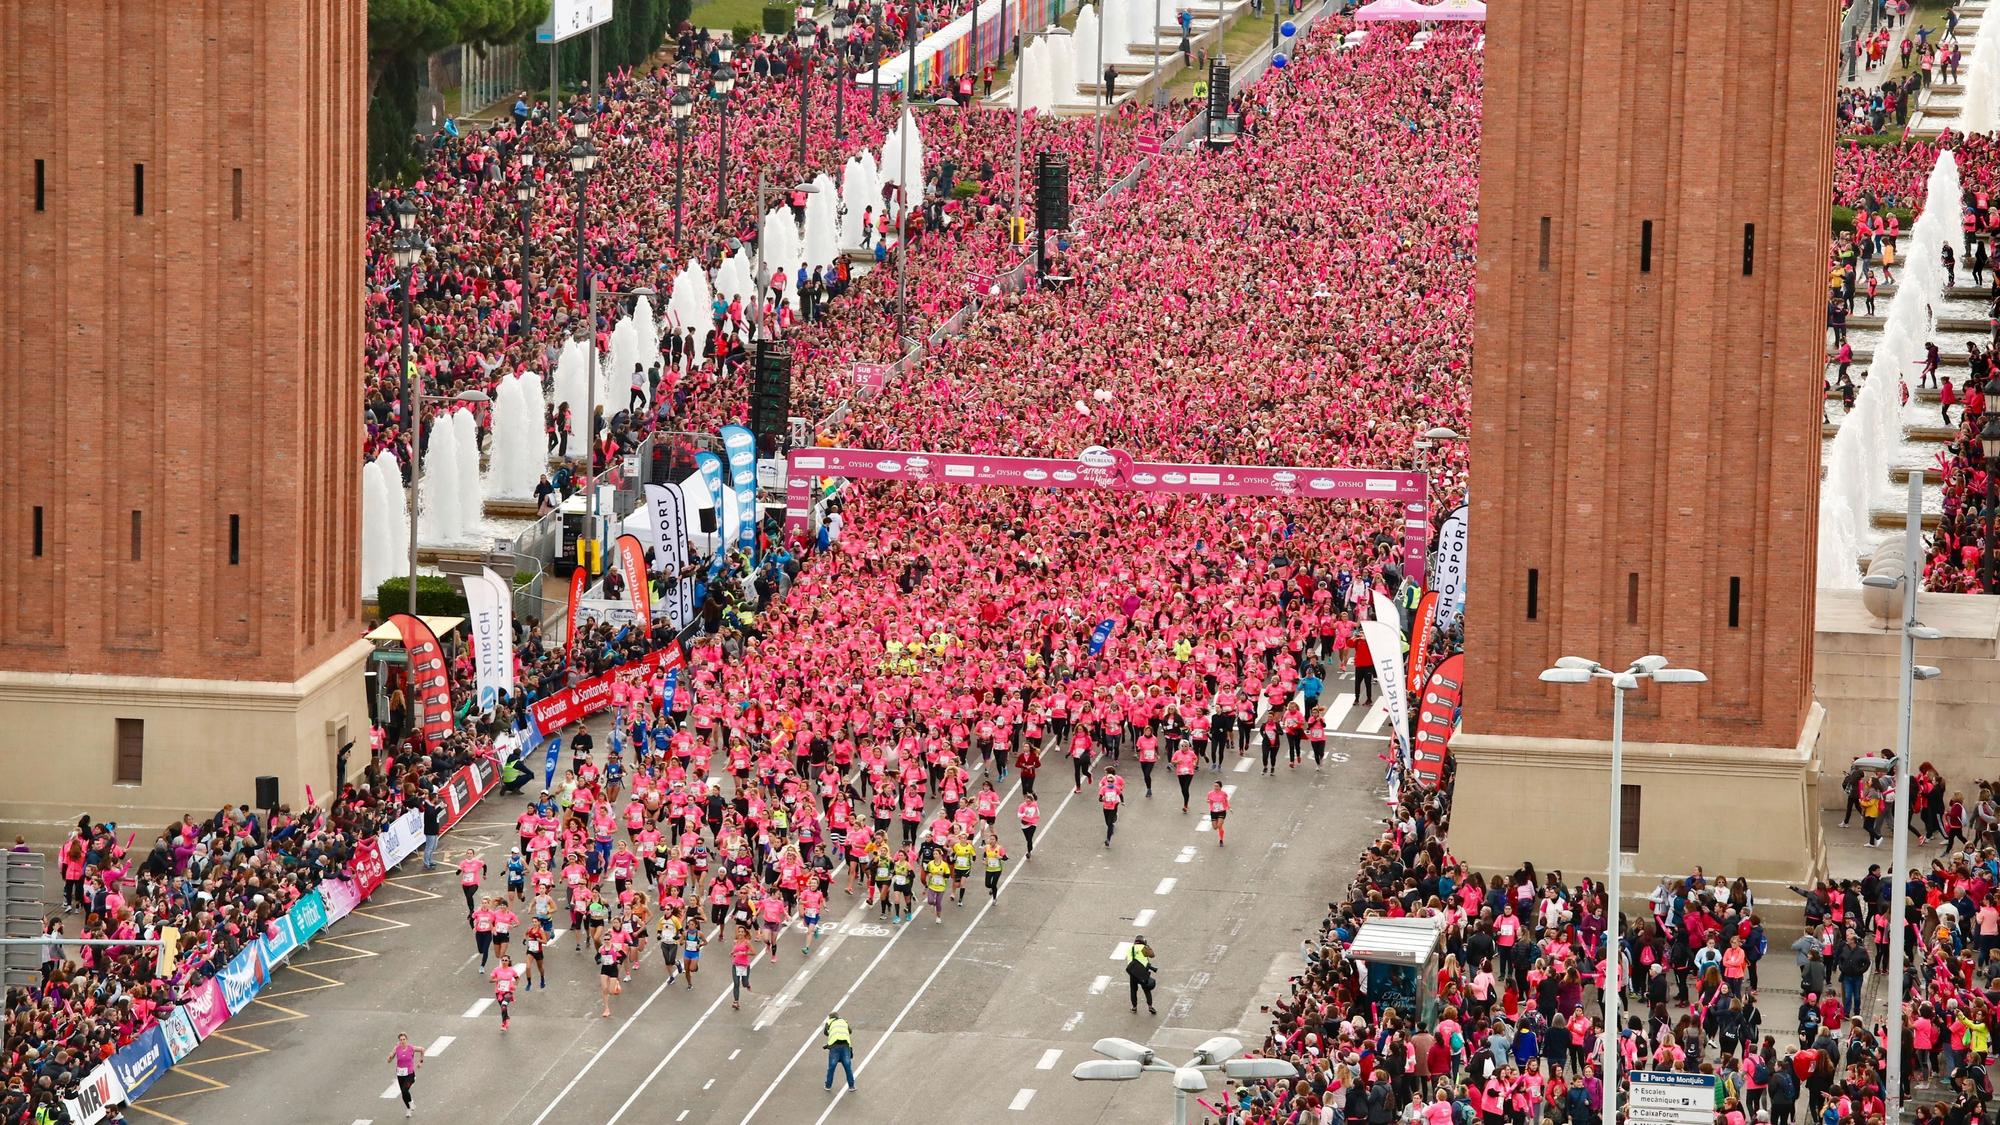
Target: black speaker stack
[{"x": 771, "y": 395}]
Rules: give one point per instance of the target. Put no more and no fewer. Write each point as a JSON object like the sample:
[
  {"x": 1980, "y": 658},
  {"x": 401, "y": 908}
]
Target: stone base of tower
[
  {"x": 202, "y": 744},
  {"x": 1730, "y": 810}
]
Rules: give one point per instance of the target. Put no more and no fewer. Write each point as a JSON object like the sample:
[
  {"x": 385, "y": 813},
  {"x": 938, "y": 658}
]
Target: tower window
[
  {"x": 38, "y": 531},
  {"x": 235, "y": 539},
  {"x": 236, "y": 193},
  {"x": 41, "y": 185},
  {"x": 1646, "y": 246},
  {"x": 138, "y": 189},
  {"x": 1632, "y": 598},
  {"x": 137, "y": 535},
  {"x": 1735, "y": 602},
  {"x": 131, "y": 765},
  {"x": 1749, "y": 248},
  {"x": 1543, "y": 258},
  {"x": 1534, "y": 593},
  {"x": 1628, "y": 818}
]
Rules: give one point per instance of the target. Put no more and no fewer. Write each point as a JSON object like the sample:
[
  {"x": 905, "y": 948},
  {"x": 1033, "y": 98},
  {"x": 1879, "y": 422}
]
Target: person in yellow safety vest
[
  {"x": 1201, "y": 90},
  {"x": 1139, "y": 971},
  {"x": 839, "y": 1049}
]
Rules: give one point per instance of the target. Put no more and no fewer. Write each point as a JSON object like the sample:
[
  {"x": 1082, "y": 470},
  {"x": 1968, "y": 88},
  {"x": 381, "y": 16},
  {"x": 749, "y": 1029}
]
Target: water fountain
[
  {"x": 1862, "y": 453},
  {"x": 861, "y": 194},
  {"x": 520, "y": 448},
  {"x": 618, "y": 366},
  {"x": 689, "y": 305},
  {"x": 439, "y": 518},
  {"x": 385, "y": 518},
  {"x": 1083, "y": 51},
  {"x": 471, "y": 505},
  {"x": 1062, "y": 69},
  {"x": 822, "y": 238},
  {"x": 647, "y": 327},
  {"x": 1139, "y": 22},
  {"x": 1114, "y": 25}
]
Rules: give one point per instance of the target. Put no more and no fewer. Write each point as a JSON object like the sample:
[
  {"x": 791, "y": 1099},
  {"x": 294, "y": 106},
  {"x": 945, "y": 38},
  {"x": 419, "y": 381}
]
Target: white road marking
[
  {"x": 364, "y": 1121},
  {"x": 708, "y": 1083},
  {"x": 1229, "y": 791},
  {"x": 1203, "y": 825},
  {"x": 1098, "y": 986},
  {"x": 393, "y": 1091},
  {"x": 1142, "y": 919},
  {"x": 1049, "y": 1058},
  {"x": 1377, "y": 715},
  {"x": 720, "y": 996},
  {"x": 438, "y": 1046},
  {"x": 1069, "y": 1024},
  {"x": 1243, "y": 764},
  {"x": 1186, "y": 856},
  {"x": 1165, "y": 886},
  {"x": 683, "y": 1116},
  {"x": 887, "y": 1035},
  {"x": 556, "y": 935},
  {"x": 478, "y": 1008},
  {"x": 1021, "y": 1099},
  {"x": 1336, "y": 712},
  {"x": 788, "y": 995},
  {"x": 1121, "y": 950},
  {"x": 733, "y": 1054}
]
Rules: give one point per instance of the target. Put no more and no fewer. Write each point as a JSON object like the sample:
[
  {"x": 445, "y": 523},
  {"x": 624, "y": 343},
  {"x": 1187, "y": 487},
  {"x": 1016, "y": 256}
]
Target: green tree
[{"x": 404, "y": 29}]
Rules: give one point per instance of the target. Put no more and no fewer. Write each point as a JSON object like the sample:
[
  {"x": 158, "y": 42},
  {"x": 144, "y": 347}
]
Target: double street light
[
  {"x": 1125, "y": 1061},
  {"x": 1908, "y": 673},
  {"x": 803, "y": 35},
  {"x": 407, "y": 248},
  {"x": 843, "y": 56},
  {"x": 524, "y": 193},
  {"x": 1579, "y": 670},
  {"x": 721, "y": 83},
  {"x": 682, "y": 109}
]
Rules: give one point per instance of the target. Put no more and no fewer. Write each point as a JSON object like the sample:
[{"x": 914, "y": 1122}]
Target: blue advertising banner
[
  {"x": 308, "y": 917},
  {"x": 279, "y": 941},
  {"x": 741, "y": 447},
  {"x": 244, "y": 977},
  {"x": 549, "y": 766},
  {"x": 143, "y": 1062},
  {"x": 180, "y": 1033},
  {"x": 710, "y": 467}
]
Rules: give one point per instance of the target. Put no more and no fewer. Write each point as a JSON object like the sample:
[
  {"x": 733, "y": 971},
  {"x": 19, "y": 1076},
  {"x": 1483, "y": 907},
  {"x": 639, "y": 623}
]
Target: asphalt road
[{"x": 981, "y": 1016}]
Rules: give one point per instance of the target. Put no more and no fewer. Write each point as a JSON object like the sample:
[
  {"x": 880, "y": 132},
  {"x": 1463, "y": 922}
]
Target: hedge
[
  {"x": 779, "y": 20},
  {"x": 1843, "y": 218},
  {"x": 437, "y": 595}
]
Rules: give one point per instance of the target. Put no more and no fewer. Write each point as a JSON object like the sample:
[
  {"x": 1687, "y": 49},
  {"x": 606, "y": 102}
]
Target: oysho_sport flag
[
  {"x": 429, "y": 679},
  {"x": 667, "y": 506},
  {"x": 1448, "y": 568}
]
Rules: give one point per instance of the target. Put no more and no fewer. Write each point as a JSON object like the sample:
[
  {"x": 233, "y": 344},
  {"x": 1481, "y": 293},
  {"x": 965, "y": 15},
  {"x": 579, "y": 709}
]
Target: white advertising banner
[
  {"x": 489, "y": 625},
  {"x": 1448, "y": 568}
]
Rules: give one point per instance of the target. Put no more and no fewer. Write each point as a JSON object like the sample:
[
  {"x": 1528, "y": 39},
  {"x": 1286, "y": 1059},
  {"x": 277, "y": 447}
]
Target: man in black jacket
[{"x": 433, "y": 824}]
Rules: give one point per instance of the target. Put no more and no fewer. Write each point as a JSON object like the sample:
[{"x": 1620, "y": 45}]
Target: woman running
[
  {"x": 533, "y": 943},
  {"x": 1185, "y": 762},
  {"x": 609, "y": 954},
  {"x": 503, "y": 987},
  {"x": 407, "y": 1058},
  {"x": 740, "y": 956},
  {"x": 1030, "y": 813},
  {"x": 996, "y": 861},
  {"x": 1316, "y": 735},
  {"x": 690, "y": 946}
]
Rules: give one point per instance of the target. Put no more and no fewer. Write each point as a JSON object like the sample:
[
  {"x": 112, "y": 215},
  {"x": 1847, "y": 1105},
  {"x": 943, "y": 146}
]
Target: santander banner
[
  {"x": 583, "y": 700},
  {"x": 1101, "y": 468}
]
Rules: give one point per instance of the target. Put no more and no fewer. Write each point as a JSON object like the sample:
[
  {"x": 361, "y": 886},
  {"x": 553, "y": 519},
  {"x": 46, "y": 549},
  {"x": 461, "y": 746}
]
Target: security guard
[
  {"x": 839, "y": 1049},
  {"x": 1139, "y": 971}
]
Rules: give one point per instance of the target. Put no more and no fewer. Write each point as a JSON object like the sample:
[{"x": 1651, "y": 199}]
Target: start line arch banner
[{"x": 1100, "y": 468}]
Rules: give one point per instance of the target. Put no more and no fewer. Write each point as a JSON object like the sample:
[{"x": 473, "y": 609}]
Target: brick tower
[
  {"x": 180, "y": 263},
  {"x": 1645, "y": 451}
]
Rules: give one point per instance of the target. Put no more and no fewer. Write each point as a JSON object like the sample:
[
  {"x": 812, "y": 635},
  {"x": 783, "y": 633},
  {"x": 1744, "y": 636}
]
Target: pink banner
[
  {"x": 368, "y": 870},
  {"x": 1102, "y": 468},
  {"x": 207, "y": 1009},
  {"x": 341, "y": 898}
]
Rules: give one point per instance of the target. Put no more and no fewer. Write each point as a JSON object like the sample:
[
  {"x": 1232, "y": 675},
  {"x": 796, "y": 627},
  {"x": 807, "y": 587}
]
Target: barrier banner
[
  {"x": 243, "y": 978},
  {"x": 99, "y": 1089},
  {"x": 580, "y": 701},
  {"x": 401, "y": 838},
  {"x": 207, "y": 1008},
  {"x": 466, "y": 787},
  {"x": 142, "y": 1062},
  {"x": 180, "y": 1034},
  {"x": 428, "y": 675},
  {"x": 1421, "y": 623},
  {"x": 309, "y": 917},
  {"x": 1437, "y": 710},
  {"x": 341, "y": 897},
  {"x": 368, "y": 869},
  {"x": 279, "y": 940}
]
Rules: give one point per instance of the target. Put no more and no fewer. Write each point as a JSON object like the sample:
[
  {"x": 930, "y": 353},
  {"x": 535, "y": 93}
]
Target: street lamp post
[
  {"x": 682, "y": 108},
  {"x": 1103, "y": 96},
  {"x": 407, "y": 249},
  {"x": 1909, "y": 672},
  {"x": 1431, "y": 439},
  {"x": 582, "y": 160},
  {"x": 842, "y": 56},
  {"x": 903, "y": 181},
  {"x": 1125, "y": 1061},
  {"x": 802, "y": 37},
  {"x": 1578, "y": 670},
  {"x": 723, "y": 81},
  {"x": 417, "y": 467},
  {"x": 524, "y": 191}
]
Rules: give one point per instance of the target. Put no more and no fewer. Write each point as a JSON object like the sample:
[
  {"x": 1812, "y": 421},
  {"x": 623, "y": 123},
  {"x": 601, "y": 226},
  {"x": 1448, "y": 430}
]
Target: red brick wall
[
  {"x": 1640, "y": 438},
  {"x": 187, "y": 363}
]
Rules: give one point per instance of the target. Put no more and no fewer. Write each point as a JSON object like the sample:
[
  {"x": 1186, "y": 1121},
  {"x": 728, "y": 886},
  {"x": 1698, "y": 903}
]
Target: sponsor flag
[
  {"x": 1149, "y": 144},
  {"x": 549, "y": 765},
  {"x": 740, "y": 446},
  {"x": 577, "y": 579},
  {"x": 1385, "y": 641},
  {"x": 1420, "y": 639},
  {"x": 207, "y": 1009},
  {"x": 1102, "y": 634},
  {"x": 1448, "y": 568},
  {"x": 428, "y": 676},
  {"x": 1437, "y": 715},
  {"x": 638, "y": 584},
  {"x": 489, "y": 624}
]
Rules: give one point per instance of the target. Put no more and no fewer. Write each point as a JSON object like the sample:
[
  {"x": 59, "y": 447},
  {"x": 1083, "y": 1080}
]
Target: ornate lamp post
[{"x": 524, "y": 193}]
